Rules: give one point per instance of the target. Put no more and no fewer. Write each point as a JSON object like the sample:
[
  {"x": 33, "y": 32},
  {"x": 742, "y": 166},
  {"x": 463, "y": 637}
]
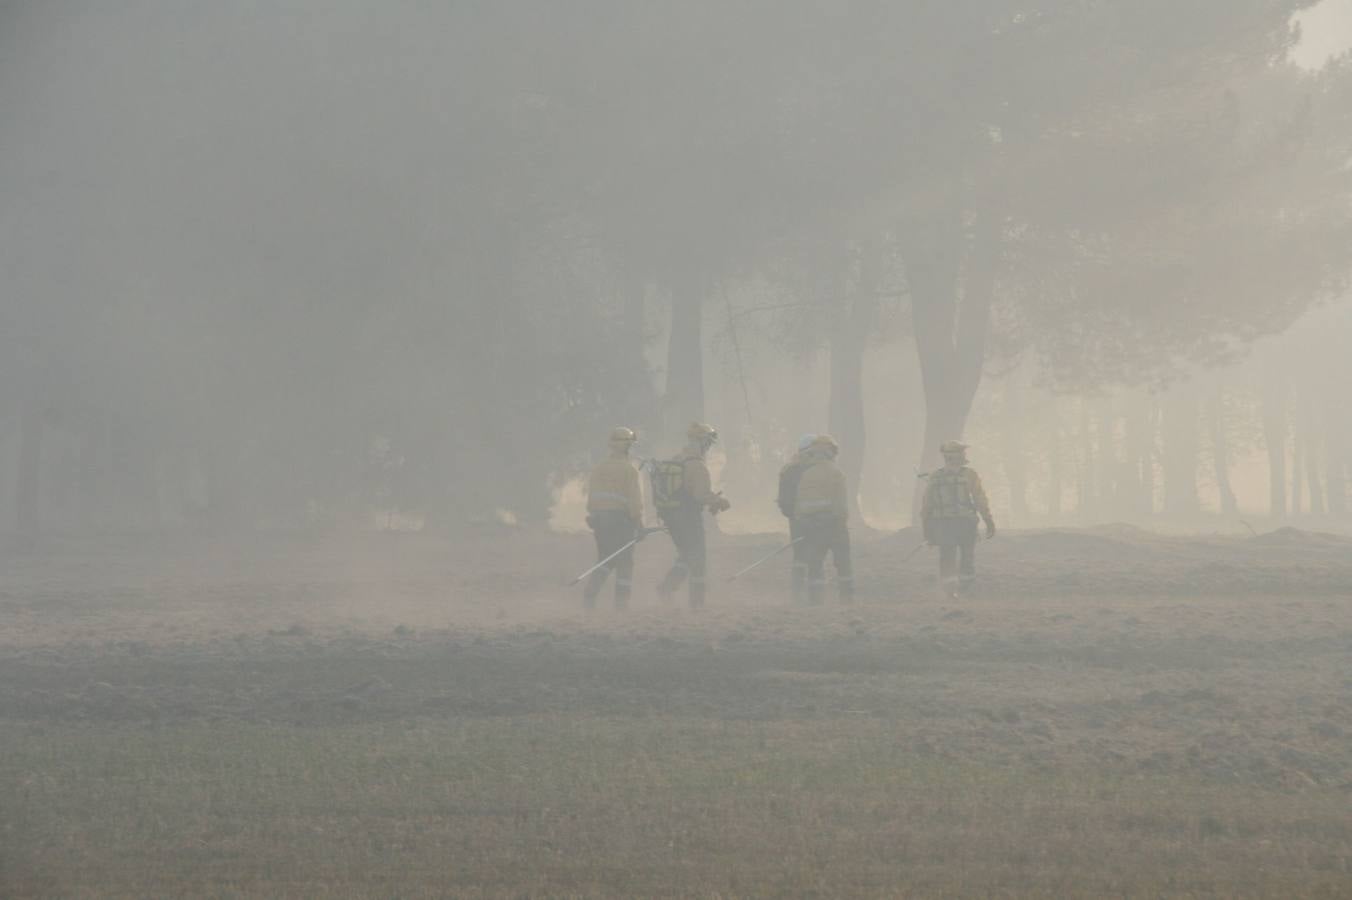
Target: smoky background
[{"x": 347, "y": 266}]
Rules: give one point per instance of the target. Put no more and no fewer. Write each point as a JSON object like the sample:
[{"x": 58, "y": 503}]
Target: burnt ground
[{"x": 1113, "y": 712}]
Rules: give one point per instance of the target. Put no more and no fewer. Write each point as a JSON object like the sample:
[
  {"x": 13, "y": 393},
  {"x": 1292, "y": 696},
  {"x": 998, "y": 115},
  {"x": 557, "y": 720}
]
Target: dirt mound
[{"x": 1296, "y": 537}]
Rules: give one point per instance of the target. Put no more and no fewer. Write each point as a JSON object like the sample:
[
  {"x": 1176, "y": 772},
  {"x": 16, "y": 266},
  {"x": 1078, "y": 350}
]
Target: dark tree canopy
[{"x": 320, "y": 251}]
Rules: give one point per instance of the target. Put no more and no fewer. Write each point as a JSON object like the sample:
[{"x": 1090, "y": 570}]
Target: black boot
[
  {"x": 594, "y": 585},
  {"x": 696, "y": 593},
  {"x": 666, "y": 589}
]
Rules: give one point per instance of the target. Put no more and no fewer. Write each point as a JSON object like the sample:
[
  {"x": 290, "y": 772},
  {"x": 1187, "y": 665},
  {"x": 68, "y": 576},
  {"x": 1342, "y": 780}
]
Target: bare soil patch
[{"x": 414, "y": 717}]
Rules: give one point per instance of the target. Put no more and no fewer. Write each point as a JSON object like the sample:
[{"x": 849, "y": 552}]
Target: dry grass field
[{"x": 1115, "y": 714}]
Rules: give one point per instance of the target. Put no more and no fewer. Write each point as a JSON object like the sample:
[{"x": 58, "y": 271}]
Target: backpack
[
  {"x": 668, "y": 481},
  {"x": 788, "y": 487},
  {"x": 951, "y": 495}
]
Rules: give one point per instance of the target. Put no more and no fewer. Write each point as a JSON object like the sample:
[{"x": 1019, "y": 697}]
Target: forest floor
[{"x": 1114, "y": 713}]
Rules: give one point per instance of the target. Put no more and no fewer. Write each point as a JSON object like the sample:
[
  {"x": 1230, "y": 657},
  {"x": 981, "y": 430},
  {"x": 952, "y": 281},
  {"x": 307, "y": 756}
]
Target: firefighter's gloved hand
[
  {"x": 990, "y": 529},
  {"x": 719, "y": 504}
]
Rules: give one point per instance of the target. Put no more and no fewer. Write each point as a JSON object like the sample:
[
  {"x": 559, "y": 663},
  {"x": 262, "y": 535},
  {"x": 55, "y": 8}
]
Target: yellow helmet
[
  {"x": 952, "y": 448},
  {"x": 700, "y": 433},
  {"x": 621, "y": 435},
  {"x": 827, "y": 443}
]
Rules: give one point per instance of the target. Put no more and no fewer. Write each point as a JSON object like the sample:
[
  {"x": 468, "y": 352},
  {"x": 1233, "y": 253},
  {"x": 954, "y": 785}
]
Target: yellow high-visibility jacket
[
  {"x": 614, "y": 485},
  {"x": 822, "y": 491},
  {"x": 955, "y": 494},
  {"x": 698, "y": 484}
]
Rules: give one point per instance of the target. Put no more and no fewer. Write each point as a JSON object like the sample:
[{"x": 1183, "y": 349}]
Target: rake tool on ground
[
  {"x": 765, "y": 559},
  {"x": 644, "y": 532}
]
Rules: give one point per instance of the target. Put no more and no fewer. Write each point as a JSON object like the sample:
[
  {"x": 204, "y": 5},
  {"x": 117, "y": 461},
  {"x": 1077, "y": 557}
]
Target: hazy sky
[{"x": 1327, "y": 30}]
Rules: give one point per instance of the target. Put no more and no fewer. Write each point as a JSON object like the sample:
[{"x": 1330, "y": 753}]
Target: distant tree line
[{"x": 292, "y": 266}]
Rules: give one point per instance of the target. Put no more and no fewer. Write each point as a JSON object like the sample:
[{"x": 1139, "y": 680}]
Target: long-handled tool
[
  {"x": 643, "y": 532},
  {"x": 765, "y": 559},
  {"x": 916, "y": 549}
]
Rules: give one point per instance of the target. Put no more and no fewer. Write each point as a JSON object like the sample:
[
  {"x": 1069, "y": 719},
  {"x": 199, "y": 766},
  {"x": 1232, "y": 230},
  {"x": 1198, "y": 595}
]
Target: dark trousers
[
  {"x": 798, "y": 574},
  {"x": 687, "y": 533},
  {"x": 822, "y": 535},
  {"x": 613, "y": 529},
  {"x": 956, "y": 538}
]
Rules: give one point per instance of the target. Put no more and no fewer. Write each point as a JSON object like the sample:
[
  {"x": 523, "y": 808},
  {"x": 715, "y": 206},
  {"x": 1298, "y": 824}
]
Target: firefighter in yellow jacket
[
  {"x": 615, "y": 514},
  {"x": 682, "y": 492},
  {"x": 821, "y": 515},
  {"x": 788, "y": 494},
  {"x": 954, "y": 499}
]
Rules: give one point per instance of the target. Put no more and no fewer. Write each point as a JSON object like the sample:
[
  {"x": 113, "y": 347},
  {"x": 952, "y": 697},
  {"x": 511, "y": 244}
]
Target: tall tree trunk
[
  {"x": 1138, "y": 485},
  {"x": 950, "y": 336},
  {"x": 1129, "y": 477},
  {"x": 1274, "y": 438},
  {"x": 1335, "y": 458},
  {"x": 1085, "y": 500},
  {"x": 1297, "y": 468},
  {"x": 845, "y": 416},
  {"x": 28, "y": 493},
  {"x": 685, "y": 361},
  {"x": 1180, "y": 453},
  {"x": 638, "y": 405},
  {"x": 738, "y": 420},
  {"x": 1106, "y": 460},
  {"x": 1055, "y": 470},
  {"x": 1012, "y": 453},
  {"x": 1313, "y": 463},
  {"x": 635, "y": 314},
  {"x": 1220, "y": 452},
  {"x": 1149, "y": 475},
  {"x": 739, "y": 473}
]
